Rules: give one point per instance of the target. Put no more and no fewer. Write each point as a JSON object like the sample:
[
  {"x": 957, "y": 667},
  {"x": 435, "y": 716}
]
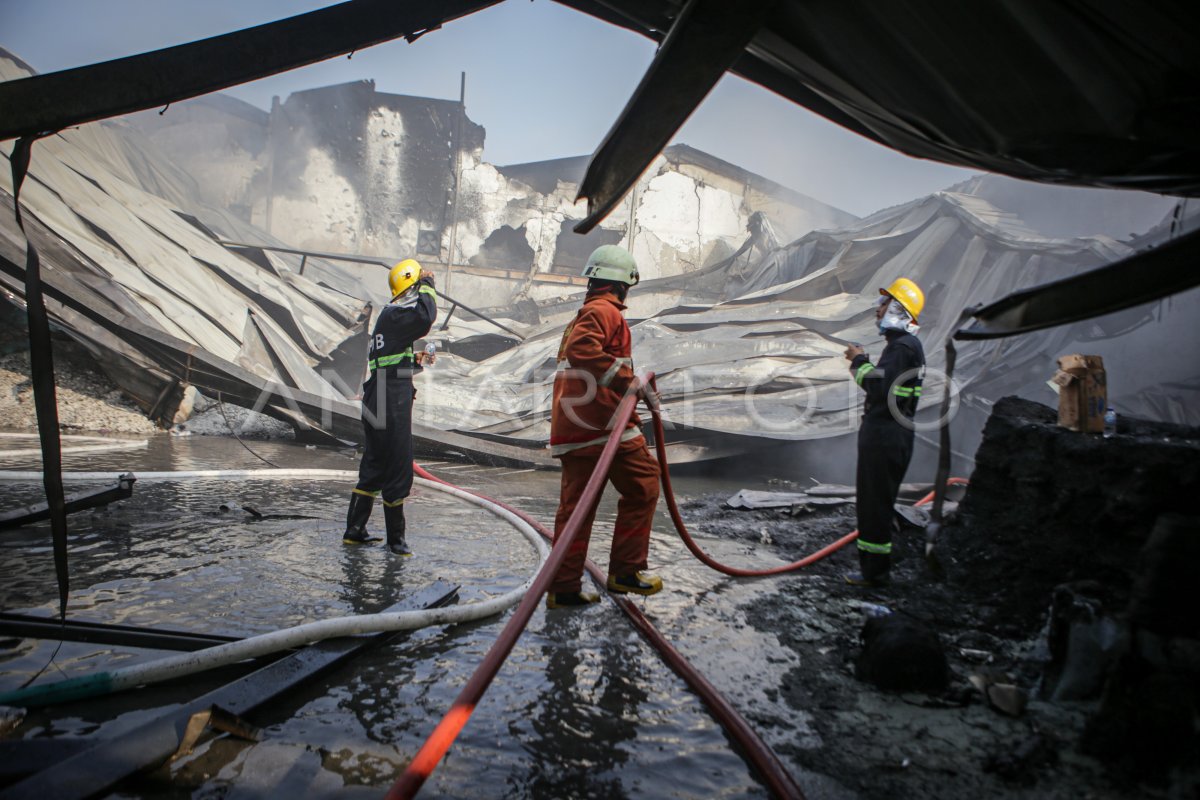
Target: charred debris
[{"x": 1053, "y": 654}]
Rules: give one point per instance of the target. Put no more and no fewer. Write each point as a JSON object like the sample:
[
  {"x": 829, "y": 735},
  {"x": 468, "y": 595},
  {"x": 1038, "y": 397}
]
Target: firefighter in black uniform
[
  {"x": 885, "y": 438},
  {"x": 387, "y": 404}
]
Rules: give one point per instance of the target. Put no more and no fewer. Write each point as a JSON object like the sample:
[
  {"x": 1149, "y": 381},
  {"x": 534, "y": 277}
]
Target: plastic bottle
[
  {"x": 1110, "y": 422},
  {"x": 430, "y": 353}
]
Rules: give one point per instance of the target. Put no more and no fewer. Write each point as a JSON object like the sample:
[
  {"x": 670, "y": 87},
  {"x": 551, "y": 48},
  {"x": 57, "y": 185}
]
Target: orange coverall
[{"x": 595, "y": 370}]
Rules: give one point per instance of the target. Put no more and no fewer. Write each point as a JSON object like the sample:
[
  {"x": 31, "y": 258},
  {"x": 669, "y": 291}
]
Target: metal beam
[
  {"x": 1140, "y": 278},
  {"x": 385, "y": 264},
  {"x": 707, "y": 38},
  {"x": 456, "y": 304},
  {"x": 46, "y": 103},
  {"x": 29, "y": 627},
  {"x": 313, "y": 253},
  {"x": 79, "y": 501},
  {"x": 93, "y": 771}
]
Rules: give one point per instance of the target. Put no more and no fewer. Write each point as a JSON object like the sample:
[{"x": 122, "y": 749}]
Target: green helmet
[{"x": 611, "y": 262}]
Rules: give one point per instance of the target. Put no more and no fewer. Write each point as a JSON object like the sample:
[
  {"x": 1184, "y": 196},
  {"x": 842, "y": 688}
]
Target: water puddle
[{"x": 582, "y": 708}]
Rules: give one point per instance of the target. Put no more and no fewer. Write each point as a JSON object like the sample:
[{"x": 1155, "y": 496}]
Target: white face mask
[{"x": 897, "y": 319}]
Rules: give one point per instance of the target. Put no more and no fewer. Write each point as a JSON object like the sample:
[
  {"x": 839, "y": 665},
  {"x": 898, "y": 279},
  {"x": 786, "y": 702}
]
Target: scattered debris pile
[
  {"x": 1047, "y": 506},
  {"x": 87, "y": 399},
  {"x": 1069, "y": 669},
  {"x": 1097, "y": 529}
]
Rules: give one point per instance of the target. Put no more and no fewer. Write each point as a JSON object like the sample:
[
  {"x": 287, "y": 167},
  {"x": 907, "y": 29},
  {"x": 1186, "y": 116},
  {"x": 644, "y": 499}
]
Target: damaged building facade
[{"x": 347, "y": 169}]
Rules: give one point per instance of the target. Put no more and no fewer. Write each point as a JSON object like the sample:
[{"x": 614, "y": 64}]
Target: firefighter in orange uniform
[{"x": 595, "y": 370}]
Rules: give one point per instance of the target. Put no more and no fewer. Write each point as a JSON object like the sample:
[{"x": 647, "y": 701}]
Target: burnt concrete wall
[
  {"x": 348, "y": 169},
  {"x": 354, "y": 169}
]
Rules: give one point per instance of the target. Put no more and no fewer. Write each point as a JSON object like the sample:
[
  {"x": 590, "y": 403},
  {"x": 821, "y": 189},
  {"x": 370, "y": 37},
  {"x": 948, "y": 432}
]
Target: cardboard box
[{"x": 1082, "y": 393}]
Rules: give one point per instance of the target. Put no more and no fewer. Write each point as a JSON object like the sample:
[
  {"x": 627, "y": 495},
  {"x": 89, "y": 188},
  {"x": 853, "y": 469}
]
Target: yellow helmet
[
  {"x": 908, "y": 294},
  {"x": 403, "y": 275}
]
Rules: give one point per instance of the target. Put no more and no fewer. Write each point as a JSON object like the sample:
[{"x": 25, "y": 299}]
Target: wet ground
[{"x": 583, "y": 707}]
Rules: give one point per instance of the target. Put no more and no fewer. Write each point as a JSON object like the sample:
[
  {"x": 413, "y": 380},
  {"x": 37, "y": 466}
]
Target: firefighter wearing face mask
[
  {"x": 885, "y": 438},
  {"x": 595, "y": 370}
]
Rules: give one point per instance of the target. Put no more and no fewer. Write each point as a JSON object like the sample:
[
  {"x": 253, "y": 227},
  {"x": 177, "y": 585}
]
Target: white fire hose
[{"x": 183, "y": 664}]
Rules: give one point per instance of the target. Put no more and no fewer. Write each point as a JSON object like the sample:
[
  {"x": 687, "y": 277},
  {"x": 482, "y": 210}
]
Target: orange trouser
[{"x": 634, "y": 473}]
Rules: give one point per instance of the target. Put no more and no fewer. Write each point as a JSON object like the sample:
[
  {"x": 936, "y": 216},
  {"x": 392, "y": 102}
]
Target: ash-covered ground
[
  {"x": 987, "y": 598},
  {"x": 87, "y": 399},
  {"x": 907, "y": 744}
]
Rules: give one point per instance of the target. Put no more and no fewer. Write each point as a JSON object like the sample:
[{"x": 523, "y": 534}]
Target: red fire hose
[
  {"x": 447, "y": 730},
  {"x": 774, "y": 774},
  {"x": 764, "y": 759},
  {"x": 669, "y": 496}
]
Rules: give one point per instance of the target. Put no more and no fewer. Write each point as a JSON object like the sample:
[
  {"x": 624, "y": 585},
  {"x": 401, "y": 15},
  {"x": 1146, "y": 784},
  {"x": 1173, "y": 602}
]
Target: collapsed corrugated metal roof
[
  {"x": 777, "y": 338},
  {"x": 783, "y": 54},
  {"x": 767, "y": 364},
  {"x": 150, "y": 289}
]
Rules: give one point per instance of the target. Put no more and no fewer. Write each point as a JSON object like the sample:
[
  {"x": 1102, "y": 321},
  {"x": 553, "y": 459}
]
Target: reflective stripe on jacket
[
  {"x": 595, "y": 369},
  {"x": 899, "y": 372},
  {"x": 399, "y": 324}
]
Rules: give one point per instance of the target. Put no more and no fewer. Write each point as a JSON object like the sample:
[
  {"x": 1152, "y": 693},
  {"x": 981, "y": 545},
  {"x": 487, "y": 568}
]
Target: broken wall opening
[
  {"x": 505, "y": 248},
  {"x": 571, "y": 250}
]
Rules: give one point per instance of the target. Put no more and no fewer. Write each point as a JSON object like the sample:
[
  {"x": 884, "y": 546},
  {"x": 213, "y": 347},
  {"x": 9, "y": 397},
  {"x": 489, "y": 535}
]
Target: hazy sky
[{"x": 544, "y": 80}]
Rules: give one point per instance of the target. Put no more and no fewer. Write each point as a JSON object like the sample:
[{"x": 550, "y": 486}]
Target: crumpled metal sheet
[
  {"x": 1090, "y": 94},
  {"x": 157, "y": 78},
  {"x": 769, "y": 363},
  {"x": 752, "y": 500},
  {"x": 142, "y": 255}
]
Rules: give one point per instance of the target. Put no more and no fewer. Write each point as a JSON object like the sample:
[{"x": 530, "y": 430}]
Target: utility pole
[
  {"x": 272, "y": 125},
  {"x": 461, "y": 117},
  {"x": 631, "y": 234}
]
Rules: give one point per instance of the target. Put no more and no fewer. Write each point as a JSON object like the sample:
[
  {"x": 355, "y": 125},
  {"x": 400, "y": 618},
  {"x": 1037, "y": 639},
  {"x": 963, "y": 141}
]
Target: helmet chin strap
[{"x": 621, "y": 290}]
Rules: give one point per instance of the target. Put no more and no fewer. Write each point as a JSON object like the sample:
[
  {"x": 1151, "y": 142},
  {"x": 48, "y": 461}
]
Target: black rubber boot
[
  {"x": 875, "y": 569},
  {"x": 393, "y": 517},
  {"x": 637, "y": 583},
  {"x": 356, "y": 520},
  {"x": 570, "y": 599}
]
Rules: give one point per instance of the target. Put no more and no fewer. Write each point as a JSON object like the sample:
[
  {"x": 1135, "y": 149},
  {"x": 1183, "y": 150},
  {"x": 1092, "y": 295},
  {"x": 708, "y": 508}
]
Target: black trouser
[
  {"x": 884, "y": 450},
  {"x": 387, "y": 427}
]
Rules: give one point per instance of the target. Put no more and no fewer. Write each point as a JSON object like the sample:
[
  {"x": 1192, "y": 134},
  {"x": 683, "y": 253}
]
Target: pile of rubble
[
  {"x": 87, "y": 399},
  {"x": 1055, "y": 655}
]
